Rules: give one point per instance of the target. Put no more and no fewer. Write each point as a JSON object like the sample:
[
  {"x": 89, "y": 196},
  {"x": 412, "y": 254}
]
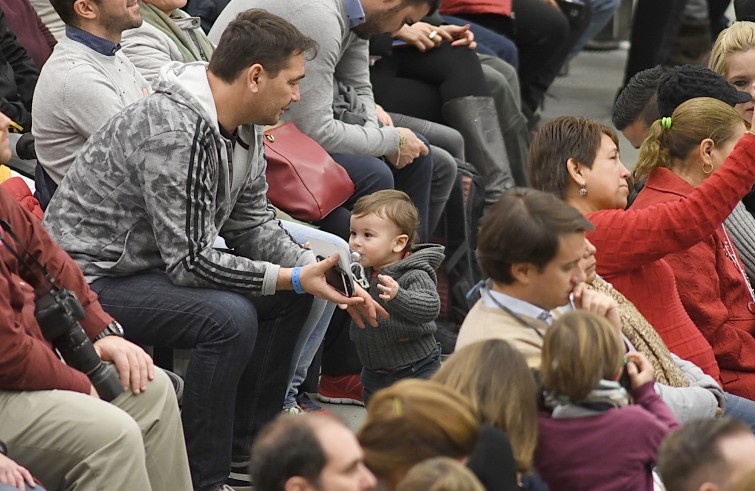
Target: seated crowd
[{"x": 609, "y": 341}]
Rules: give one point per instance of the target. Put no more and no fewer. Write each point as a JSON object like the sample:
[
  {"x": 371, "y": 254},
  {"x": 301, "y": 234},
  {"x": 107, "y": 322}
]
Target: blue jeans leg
[
  {"x": 496, "y": 44},
  {"x": 601, "y": 12},
  {"x": 740, "y": 408},
  {"x": 317, "y": 322},
  {"x": 370, "y": 174},
  {"x": 376, "y": 379},
  {"x": 235, "y": 382}
]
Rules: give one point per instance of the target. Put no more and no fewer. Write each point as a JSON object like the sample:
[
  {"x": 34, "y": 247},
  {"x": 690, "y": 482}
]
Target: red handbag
[{"x": 303, "y": 180}]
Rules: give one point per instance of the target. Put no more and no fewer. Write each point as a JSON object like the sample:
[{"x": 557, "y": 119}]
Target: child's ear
[{"x": 399, "y": 243}]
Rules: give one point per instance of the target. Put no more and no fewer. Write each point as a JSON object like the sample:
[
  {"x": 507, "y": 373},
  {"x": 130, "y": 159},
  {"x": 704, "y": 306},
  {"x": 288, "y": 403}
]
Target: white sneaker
[{"x": 294, "y": 410}]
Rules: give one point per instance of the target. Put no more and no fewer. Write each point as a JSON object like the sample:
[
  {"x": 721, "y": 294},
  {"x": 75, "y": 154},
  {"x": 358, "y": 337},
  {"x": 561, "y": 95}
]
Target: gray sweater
[
  {"x": 154, "y": 187},
  {"x": 342, "y": 57},
  {"x": 407, "y": 336},
  {"x": 741, "y": 227},
  {"x": 78, "y": 90}
]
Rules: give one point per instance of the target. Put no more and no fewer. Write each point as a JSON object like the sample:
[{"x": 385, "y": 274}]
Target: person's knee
[
  {"x": 231, "y": 319},
  {"x": 112, "y": 431}
]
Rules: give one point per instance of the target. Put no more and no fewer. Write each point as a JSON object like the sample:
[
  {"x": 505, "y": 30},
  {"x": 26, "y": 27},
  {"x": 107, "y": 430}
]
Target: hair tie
[
  {"x": 397, "y": 407},
  {"x": 666, "y": 123}
]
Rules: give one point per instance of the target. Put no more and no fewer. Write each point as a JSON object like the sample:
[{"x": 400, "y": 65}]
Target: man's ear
[
  {"x": 399, "y": 243},
  {"x": 253, "y": 76},
  {"x": 574, "y": 169},
  {"x": 521, "y": 272},
  {"x": 86, "y": 9},
  {"x": 298, "y": 483}
]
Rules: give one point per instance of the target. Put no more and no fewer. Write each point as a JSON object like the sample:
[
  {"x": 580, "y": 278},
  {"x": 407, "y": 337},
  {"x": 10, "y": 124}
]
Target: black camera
[{"x": 58, "y": 312}]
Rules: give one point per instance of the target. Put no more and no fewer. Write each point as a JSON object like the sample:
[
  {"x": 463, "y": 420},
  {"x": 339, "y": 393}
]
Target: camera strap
[{"x": 45, "y": 276}]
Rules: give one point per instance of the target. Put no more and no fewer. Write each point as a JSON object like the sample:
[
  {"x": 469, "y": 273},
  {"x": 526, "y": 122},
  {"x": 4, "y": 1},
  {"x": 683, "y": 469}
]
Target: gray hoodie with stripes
[{"x": 156, "y": 185}]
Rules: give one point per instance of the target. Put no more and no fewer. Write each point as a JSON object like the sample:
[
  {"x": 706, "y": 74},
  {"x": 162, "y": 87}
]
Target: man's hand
[
  {"x": 459, "y": 35},
  {"x": 409, "y": 151},
  {"x": 420, "y": 35},
  {"x": 639, "y": 369},
  {"x": 383, "y": 117},
  {"x": 388, "y": 287},
  {"x": 597, "y": 303},
  {"x": 14, "y": 475},
  {"x": 368, "y": 311},
  {"x": 134, "y": 365}
]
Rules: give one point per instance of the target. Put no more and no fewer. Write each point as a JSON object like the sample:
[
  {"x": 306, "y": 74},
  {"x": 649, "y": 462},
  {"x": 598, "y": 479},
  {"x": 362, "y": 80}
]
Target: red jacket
[
  {"x": 27, "y": 361},
  {"x": 631, "y": 246},
  {"x": 455, "y": 7},
  {"x": 712, "y": 289}
]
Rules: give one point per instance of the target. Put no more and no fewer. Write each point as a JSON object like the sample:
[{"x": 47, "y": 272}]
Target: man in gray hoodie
[{"x": 148, "y": 196}]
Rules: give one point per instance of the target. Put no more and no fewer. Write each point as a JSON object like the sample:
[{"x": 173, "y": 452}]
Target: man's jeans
[{"x": 239, "y": 367}]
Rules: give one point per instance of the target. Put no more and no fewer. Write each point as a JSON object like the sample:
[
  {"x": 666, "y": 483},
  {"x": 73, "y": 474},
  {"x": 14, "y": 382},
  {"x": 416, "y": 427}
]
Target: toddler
[{"x": 402, "y": 279}]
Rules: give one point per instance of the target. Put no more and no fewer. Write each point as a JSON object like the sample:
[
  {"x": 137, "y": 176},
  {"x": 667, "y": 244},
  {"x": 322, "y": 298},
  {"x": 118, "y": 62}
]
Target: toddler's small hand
[{"x": 388, "y": 287}]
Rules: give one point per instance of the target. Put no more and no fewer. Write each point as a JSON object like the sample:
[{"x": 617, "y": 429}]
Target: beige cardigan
[{"x": 483, "y": 322}]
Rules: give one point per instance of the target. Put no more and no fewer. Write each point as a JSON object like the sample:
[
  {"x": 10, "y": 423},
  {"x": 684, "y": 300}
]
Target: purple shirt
[{"x": 614, "y": 450}]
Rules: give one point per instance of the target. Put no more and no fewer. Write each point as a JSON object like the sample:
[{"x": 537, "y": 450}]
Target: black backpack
[{"x": 460, "y": 271}]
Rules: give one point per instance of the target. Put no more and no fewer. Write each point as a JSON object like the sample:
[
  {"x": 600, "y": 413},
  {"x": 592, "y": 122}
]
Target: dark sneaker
[
  {"x": 308, "y": 405},
  {"x": 239, "y": 477},
  {"x": 345, "y": 389}
]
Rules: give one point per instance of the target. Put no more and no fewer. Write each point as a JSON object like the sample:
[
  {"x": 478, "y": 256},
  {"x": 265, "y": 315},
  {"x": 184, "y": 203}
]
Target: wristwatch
[{"x": 112, "y": 329}]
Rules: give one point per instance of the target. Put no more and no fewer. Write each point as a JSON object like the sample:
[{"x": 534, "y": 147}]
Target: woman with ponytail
[
  {"x": 679, "y": 155},
  {"x": 577, "y": 159}
]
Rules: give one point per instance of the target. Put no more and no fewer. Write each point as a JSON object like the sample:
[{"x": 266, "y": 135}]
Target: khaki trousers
[{"x": 72, "y": 441}]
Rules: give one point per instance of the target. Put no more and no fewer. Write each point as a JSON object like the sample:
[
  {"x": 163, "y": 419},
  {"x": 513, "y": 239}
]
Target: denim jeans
[
  {"x": 239, "y": 367},
  {"x": 317, "y": 322},
  {"x": 489, "y": 42},
  {"x": 741, "y": 409},
  {"x": 375, "y": 379},
  {"x": 371, "y": 174}
]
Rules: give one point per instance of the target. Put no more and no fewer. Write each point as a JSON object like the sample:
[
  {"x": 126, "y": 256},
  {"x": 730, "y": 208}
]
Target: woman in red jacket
[
  {"x": 678, "y": 156},
  {"x": 578, "y": 160}
]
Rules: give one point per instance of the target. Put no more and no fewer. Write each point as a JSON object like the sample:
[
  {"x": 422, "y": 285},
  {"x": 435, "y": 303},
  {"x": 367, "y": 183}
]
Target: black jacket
[{"x": 18, "y": 77}]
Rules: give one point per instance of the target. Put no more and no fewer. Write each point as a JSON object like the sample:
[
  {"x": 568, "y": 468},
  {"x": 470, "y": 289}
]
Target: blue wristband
[{"x": 295, "y": 282}]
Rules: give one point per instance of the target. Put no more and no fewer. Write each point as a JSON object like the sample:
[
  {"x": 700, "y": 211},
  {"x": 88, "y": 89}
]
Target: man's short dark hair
[
  {"x": 524, "y": 226},
  {"x": 64, "y": 8},
  {"x": 287, "y": 447},
  {"x": 692, "y": 455},
  {"x": 638, "y": 99},
  {"x": 257, "y": 36},
  {"x": 564, "y": 138}
]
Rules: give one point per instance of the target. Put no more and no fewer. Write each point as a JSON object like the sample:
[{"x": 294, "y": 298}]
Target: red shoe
[{"x": 344, "y": 389}]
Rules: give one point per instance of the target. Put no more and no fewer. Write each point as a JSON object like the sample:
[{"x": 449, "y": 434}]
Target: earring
[
  {"x": 707, "y": 169},
  {"x": 582, "y": 189}
]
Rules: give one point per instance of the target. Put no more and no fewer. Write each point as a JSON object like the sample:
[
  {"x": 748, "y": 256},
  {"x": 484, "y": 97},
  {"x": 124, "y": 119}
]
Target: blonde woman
[
  {"x": 440, "y": 474},
  {"x": 594, "y": 438},
  {"x": 678, "y": 155},
  {"x": 414, "y": 420},
  {"x": 495, "y": 377},
  {"x": 733, "y": 57}
]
